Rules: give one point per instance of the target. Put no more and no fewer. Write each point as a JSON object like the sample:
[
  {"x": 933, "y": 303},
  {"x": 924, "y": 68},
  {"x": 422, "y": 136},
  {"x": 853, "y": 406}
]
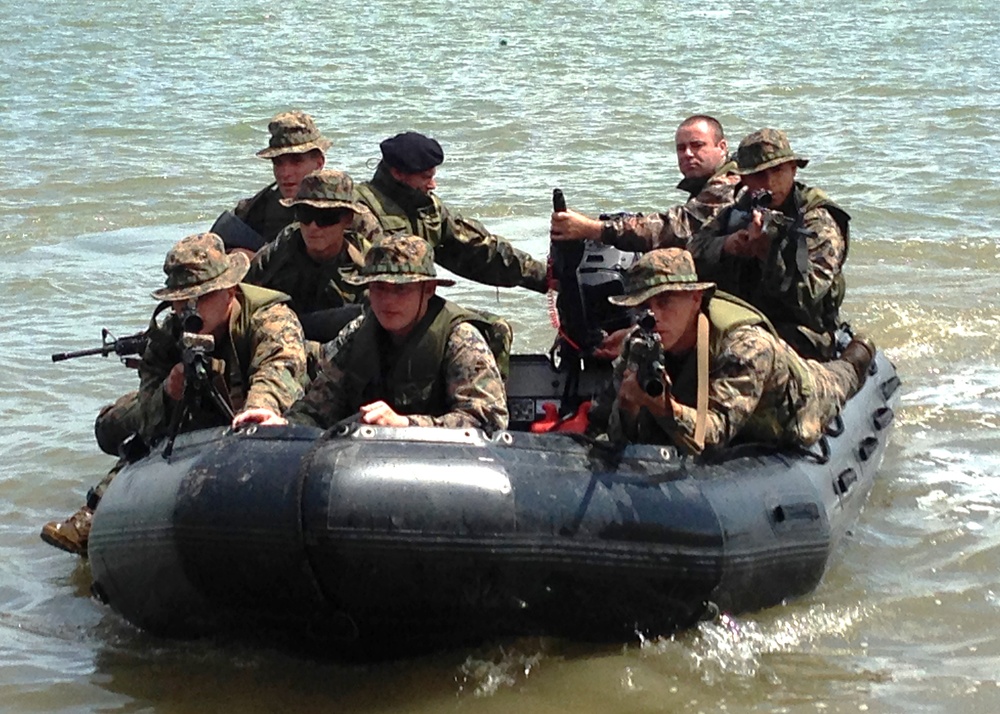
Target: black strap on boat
[{"x": 824, "y": 451}]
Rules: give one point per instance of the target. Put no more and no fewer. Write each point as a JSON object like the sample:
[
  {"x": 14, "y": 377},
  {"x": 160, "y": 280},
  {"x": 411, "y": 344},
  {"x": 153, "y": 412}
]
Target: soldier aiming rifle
[{"x": 225, "y": 346}]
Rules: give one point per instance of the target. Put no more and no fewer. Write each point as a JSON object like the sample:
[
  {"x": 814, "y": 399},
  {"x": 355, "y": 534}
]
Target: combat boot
[
  {"x": 859, "y": 353},
  {"x": 72, "y": 534}
]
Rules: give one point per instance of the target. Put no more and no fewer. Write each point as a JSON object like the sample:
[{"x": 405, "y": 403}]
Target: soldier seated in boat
[
  {"x": 310, "y": 259},
  {"x": 720, "y": 373},
  {"x": 257, "y": 359},
  {"x": 296, "y": 149},
  {"x": 709, "y": 180},
  {"x": 400, "y": 195},
  {"x": 781, "y": 246},
  {"x": 412, "y": 358}
]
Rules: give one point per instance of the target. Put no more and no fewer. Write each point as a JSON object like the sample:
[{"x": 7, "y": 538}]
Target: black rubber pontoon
[{"x": 377, "y": 538}]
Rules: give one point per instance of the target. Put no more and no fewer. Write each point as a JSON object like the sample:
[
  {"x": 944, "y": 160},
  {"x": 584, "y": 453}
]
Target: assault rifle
[
  {"x": 645, "y": 355},
  {"x": 774, "y": 222},
  {"x": 124, "y": 347}
]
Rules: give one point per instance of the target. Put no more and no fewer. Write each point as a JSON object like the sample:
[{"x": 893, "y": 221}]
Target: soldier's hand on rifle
[
  {"x": 758, "y": 240},
  {"x": 173, "y": 385},
  {"x": 738, "y": 244},
  {"x": 260, "y": 416},
  {"x": 611, "y": 345},
  {"x": 632, "y": 396},
  {"x": 570, "y": 225}
]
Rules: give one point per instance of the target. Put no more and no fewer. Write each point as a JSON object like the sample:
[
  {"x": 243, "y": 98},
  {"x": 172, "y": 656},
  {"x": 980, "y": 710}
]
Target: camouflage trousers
[
  {"x": 833, "y": 383},
  {"x": 116, "y": 422}
]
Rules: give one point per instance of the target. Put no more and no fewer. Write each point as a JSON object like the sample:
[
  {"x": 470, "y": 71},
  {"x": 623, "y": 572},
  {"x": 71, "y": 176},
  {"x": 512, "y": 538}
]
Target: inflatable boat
[{"x": 366, "y": 539}]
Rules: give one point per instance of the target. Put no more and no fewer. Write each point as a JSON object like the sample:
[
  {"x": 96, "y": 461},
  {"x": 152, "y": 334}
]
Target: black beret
[{"x": 411, "y": 152}]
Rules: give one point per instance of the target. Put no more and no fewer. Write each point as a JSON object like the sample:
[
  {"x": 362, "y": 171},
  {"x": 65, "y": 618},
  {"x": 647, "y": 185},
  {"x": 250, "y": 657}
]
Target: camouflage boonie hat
[
  {"x": 656, "y": 272},
  {"x": 198, "y": 265},
  {"x": 763, "y": 149},
  {"x": 399, "y": 259},
  {"x": 293, "y": 133},
  {"x": 325, "y": 188}
]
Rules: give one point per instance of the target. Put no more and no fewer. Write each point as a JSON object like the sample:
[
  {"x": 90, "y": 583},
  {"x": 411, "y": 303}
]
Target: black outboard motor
[{"x": 586, "y": 273}]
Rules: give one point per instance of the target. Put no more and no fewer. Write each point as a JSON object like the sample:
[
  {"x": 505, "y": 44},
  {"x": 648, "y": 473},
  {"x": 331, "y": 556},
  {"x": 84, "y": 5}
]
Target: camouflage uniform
[
  {"x": 261, "y": 364},
  {"x": 674, "y": 227},
  {"x": 800, "y": 285},
  {"x": 461, "y": 245},
  {"x": 759, "y": 389},
  {"x": 444, "y": 373},
  {"x": 286, "y": 266},
  {"x": 291, "y": 133}
]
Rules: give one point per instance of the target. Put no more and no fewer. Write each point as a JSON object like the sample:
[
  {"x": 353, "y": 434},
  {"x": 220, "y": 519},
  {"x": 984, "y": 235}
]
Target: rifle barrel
[{"x": 103, "y": 351}]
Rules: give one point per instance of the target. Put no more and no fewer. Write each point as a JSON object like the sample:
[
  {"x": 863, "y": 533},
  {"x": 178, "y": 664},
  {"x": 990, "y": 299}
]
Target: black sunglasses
[{"x": 322, "y": 217}]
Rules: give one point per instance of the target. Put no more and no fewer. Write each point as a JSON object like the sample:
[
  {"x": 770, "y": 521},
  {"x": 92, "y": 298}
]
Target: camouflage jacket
[
  {"x": 262, "y": 364},
  {"x": 264, "y": 213},
  {"x": 284, "y": 265},
  {"x": 461, "y": 245},
  {"x": 444, "y": 368},
  {"x": 800, "y": 285},
  {"x": 675, "y": 226},
  {"x": 760, "y": 390}
]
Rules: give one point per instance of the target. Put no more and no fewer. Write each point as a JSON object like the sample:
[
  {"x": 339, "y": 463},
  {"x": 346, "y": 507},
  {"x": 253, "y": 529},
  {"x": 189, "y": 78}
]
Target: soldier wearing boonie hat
[
  {"x": 295, "y": 149},
  {"x": 412, "y": 358},
  {"x": 400, "y": 195},
  {"x": 258, "y": 359},
  {"x": 311, "y": 258},
  {"x": 764, "y": 149},
  {"x": 400, "y": 259},
  {"x": 781, "y": 247},
  {"x": 666, "y": 270},
  {"x": 725, "y": 371},
  {"x": 293, "y": 132},
  {"x": 198, "y": 265}
]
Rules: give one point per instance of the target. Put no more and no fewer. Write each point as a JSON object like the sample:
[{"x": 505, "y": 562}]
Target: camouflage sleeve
[
  {"x": 474, "y": 389},
  {"x": 324, "y": 403},
  {"x": 155, "y": 407},
  {"x": 737, "y": 379},
  {"x": 278, "y": 359},
  {"x": 674, "y": 227},
  {"x": 363, "y": 232},
  {"x": 469, "y": 250},
  {"x": 825, "y": 248},
  {"x": 642, "y": 233},
  {"x": 707, "y": 243}
]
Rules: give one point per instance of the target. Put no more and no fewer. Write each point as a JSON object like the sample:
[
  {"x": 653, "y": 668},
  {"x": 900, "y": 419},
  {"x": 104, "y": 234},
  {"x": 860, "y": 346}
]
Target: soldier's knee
[{"x": 116, "y": 421}]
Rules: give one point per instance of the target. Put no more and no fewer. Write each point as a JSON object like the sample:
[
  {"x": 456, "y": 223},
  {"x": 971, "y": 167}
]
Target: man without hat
[
  {"x": 726, "y": 374},
  {"x": 412, "y": 358},
  {"x": 257, "y": 356},
  {"x": 311, "y": 258},
  {"x": 296, "y": 149},
  {"x": 708, "y": 179},
  {"x": 781, "y": 247},
  {"x": 400, "y": 195}
]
